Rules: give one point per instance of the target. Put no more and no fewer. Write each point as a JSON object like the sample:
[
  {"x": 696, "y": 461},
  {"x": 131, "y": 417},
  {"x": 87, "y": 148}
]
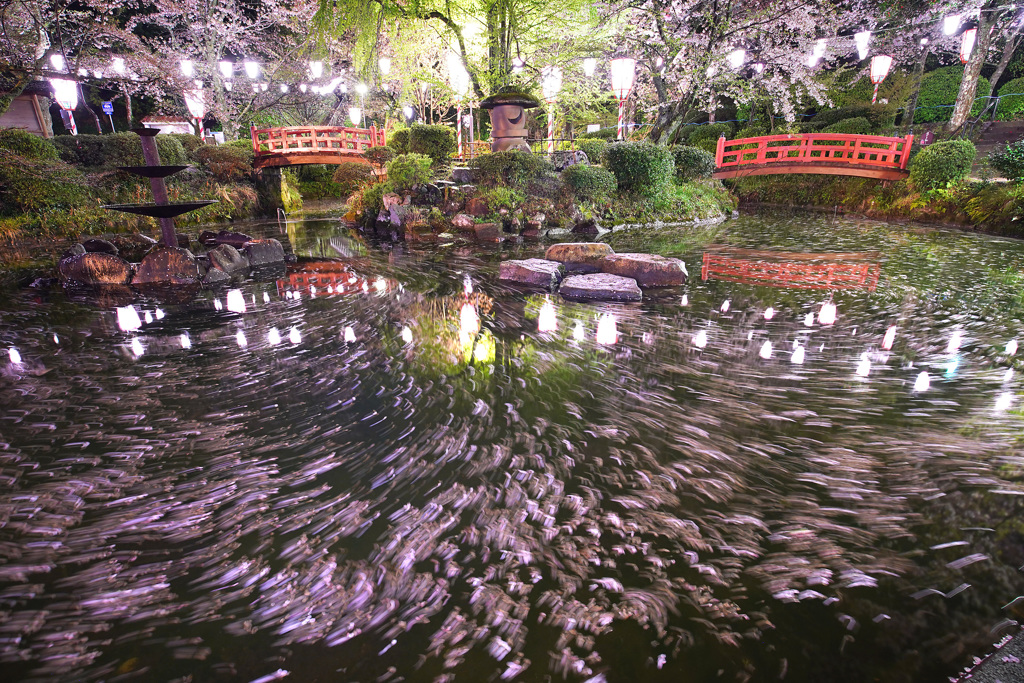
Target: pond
[{"x": 384, "y": 471}]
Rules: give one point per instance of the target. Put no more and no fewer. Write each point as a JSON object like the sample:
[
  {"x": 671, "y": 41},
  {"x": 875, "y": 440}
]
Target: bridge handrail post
[
  {"x": 720, "y": 151},
  {"x": 905, "y": 157},
  {"x": 252, "y": 134}
]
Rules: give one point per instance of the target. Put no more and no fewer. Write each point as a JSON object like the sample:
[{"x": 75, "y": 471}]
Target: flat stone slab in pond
[
  {"x": 600, "y": 287},
  {"x": 93, "y": 269},
  {"x": 647, "y": 269},
  {"x": 579, "y": 257},
  {"x": 534, "y": 271}
]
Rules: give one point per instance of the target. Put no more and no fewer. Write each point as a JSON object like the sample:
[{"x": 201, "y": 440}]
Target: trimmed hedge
[
  {"x": 512, "y": 169},
  {"x": 590, "y": 183},
  {"x": 399, "y": 141},
  {"x": 408, "y": 170},
  {"x": 941, "y": 164},
  {"x": 226, "y": 163},
  {"x": 693, "y": 162},
  {"x": 1009, "y": 161},
  {"x": 379, "y": 156},
  {"x": 857, "y": 126},
  {"x": 939, "y": 89},
  {"x": 436, "y": 142},
  {"x": 1011, "y": 106},
  {"x": 608, "y": 134},
  {"x": 190, "y": 143},
  {"x": 877, "y": 116},
  {"x": 594, "y": 148},
  {"x": 641, "y": 167},
  {"x": 32, "y": 178},
  {"x": 117, "y": 149},
  {"x": 711, "y": 131}
]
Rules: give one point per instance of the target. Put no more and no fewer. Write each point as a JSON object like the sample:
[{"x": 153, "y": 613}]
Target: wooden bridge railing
[
  {"x": 852, "y": 270},
  {"x": 870, "y": 156},
  {"x": 296, "y": 145}
]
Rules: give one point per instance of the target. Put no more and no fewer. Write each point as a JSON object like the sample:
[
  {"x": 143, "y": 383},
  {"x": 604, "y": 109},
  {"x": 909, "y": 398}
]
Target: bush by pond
[
  {"x": 226, "y": 163},
  {"x": 399, "y": 141},
  {"x": 641, "y": 167},
  {"x": 590, "y": 183},
  {"x": 513, "y": 169},
  {"x": 941, "y": 164},
  {"x": 436, "y": 142},
  {"x": 350, "y": 176},
  {"x": 939, "y": 89},
  {"x": 594, "y": 148},
  {"x": 1009, "y": 161},
  {"x": 408, "y": 170},
  {"x": 693, "y": 163}
]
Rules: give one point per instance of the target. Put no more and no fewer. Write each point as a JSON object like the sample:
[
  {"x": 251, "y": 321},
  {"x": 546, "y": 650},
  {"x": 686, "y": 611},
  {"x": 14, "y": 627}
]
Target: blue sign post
[{"x": 108, "y": 109}]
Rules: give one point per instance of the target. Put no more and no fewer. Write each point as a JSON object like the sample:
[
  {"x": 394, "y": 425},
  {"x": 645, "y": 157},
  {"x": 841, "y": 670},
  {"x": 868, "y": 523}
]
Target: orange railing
[
  {"x": 833, "y": 149},
  {"x": 300, "y": 140}
]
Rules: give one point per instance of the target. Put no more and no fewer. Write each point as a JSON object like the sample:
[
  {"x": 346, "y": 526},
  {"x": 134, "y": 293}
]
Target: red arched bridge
[
  {"x": 866, "y": 156},
  {"x": 299, "y": 145}
]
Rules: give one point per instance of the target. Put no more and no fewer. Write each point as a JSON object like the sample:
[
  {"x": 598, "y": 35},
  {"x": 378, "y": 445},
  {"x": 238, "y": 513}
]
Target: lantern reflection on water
[{"x": 607, "y": 330}]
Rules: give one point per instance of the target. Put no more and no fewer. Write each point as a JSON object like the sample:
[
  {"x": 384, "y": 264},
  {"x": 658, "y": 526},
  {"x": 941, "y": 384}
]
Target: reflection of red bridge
[
  {"x": 321, "y": 275},
  {"x": 852, "y": 270},
  {"x": 299, "y": 145},
  {"x": 867, "y": 156}
]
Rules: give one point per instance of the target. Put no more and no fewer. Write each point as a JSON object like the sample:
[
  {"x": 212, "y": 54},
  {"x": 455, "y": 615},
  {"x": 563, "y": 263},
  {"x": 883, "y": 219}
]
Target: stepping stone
[
  {"x": 228, "y": 259},
  {"x": 600, "y": 287},
  {"x": 647, "y": 269},
  {"x": 94, "y": 269},
  {"x": 133, "y": 247},
  {"x": 98, "y": 246},
  {"x": 534, "y": 271},
  {"x": 579, "y": 257},
  {"x": 167, "y": 266},
  {"x": 264, "y": 252}
]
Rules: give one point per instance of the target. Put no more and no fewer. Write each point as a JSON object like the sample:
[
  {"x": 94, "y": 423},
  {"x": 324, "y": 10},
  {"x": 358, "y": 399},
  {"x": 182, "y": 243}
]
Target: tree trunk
[
  {"x": 1009, "y": 48},
  {"x": 670, "y": 119},
  {"x": 128, "y": 106},
  {"x": 915, "y": 89},
  {"x": 969, "y": 84}
]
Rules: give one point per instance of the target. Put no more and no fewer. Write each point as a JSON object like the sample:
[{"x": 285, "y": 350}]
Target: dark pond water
[{"x": 356, "y": 485}]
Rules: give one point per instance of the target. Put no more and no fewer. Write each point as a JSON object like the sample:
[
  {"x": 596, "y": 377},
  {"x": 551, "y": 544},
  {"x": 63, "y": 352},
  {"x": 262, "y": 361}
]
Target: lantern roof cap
[{"x": 523, "y": 99}]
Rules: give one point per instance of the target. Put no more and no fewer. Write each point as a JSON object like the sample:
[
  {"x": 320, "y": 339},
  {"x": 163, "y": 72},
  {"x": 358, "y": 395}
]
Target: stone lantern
[{"x": 509, "y": 120}]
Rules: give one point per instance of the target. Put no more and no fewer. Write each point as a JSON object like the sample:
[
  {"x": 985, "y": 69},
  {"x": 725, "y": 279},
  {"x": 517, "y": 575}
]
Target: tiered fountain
[{"x": 165, "y": 264}]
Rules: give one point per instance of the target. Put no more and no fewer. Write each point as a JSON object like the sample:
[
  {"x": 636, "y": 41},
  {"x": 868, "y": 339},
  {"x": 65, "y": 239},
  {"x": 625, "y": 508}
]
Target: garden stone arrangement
[
  {"x": 593, "y": 271},
  {"x": 139, "y": 261}
]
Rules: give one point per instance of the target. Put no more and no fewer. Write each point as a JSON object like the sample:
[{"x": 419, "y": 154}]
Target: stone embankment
[{"x": 592, "y": 271}]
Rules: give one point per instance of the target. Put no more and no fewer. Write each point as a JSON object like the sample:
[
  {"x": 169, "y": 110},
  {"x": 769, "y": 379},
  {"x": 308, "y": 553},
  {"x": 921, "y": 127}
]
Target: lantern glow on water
[
  {"x": 798, "y": 355},
  {"x": 236, "y": 302},
  {"x": 607, "y": 329},
  {"x": 547, "y": 320},
  {"x": 241, "y": 340},
  {"x": 186, "y": 341},
  {"x": 769, "y": 313},
  {"x": 827, "y": 314},
  {"x": 766, "y": 350},
  {"x": 889, "y": 338},
  {"x": 293, "y": 335},
  {"x": 128, "y": 319},
  {"x": 406, "y": 335},
  {"x": 469, "y": 320},
  {"x": 700, "y": 340},
  {"x": 922, "y": 382},
  {"x": 14, "y": 355}
]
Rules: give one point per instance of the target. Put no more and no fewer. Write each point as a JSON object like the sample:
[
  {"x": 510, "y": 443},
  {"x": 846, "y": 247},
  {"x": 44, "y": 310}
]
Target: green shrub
[
  {"x": 857, "y": 126},
  {"x": 373, "y": 198},
  {"x": 1011, "y": 103},
  {"x": 24, "y": 144},
  {"x": 379, "y": 156},
  {"x": 709, "y": 145},
  {"x": 351, "y": 175},
  {"x": 512, "y": 169},
  {"x": 408, "y": 170},
  {"x": 81, "y": 150},
  {"x": 226, "y": 163},
  {"x": 1009, "y": 161},
  {"x": 877, "y": 116},
  {"x": 939, "y": 89},
  {"x": 190, "y": 143},
  {"x": 590, "y": 183},
  {"x": 120, "y": 149},
  {"x": 37, "y": 182},
  {"x": 172, "y": 152},
  {"x": 641, "y": 167},
  {"x": 748, "y": 132},
  {"x": 608, "y": 134},
  {"x": 594, "y": 148},
  {"x": 399, "y": 141},
  {"x": 436, "y": 142},
  {"x": 711, "y": 131},
  {"x": 693, "y": 162},
  {"x": 500, "y": 197},
  {"x": 941, "y": 164}
]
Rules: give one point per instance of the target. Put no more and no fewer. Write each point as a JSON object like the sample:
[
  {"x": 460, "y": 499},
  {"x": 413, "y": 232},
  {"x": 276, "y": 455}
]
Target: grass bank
[{"x": 995, "y": 208}]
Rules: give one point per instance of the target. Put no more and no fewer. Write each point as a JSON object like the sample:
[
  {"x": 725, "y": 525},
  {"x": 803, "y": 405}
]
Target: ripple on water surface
[{"x": 398, "y": 477}]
